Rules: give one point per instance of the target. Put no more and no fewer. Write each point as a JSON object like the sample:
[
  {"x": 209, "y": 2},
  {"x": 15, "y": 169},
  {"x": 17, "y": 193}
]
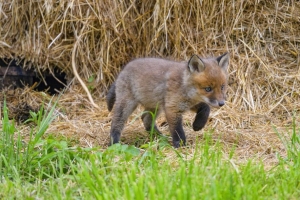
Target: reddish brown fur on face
[{"x": 214, "y": 77}]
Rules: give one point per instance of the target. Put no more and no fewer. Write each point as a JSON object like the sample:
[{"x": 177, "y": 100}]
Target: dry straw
[{"x": 263, "y": 38}]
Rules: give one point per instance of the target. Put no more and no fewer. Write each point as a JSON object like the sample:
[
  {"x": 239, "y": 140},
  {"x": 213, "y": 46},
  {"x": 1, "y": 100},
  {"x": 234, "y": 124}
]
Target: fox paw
[{"x": 201, "y": 117}]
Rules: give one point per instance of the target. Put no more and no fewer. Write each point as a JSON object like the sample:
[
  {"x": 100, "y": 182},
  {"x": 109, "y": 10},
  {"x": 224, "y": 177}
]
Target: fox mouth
[
  {"x": 217, "y": 104},
  {"x": 214, "y": 103}
]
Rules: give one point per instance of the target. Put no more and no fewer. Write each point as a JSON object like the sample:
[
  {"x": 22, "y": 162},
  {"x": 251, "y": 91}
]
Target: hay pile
[{"x": 263, "y": 38}]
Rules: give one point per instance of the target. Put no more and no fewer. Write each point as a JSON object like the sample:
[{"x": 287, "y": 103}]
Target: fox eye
[{"x": 208, "y": 89}]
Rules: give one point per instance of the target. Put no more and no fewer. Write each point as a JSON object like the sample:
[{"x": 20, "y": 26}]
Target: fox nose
[{"x": 221, "y": 103}]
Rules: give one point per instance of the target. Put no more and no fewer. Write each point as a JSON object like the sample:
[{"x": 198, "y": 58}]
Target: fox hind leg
[
  {"x": 148, "y": 120},
  {"x": 120, "y": 115}
]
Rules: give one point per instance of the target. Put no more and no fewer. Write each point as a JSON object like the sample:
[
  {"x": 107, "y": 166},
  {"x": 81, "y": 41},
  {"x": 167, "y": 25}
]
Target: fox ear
[
  {"x": 223, "y": 61},
  {"x": 195, "y": 64}
]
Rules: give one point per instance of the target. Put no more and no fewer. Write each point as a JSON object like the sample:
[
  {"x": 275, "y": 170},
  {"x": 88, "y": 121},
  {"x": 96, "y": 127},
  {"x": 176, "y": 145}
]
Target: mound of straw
[{"x": 263, "y": 38}]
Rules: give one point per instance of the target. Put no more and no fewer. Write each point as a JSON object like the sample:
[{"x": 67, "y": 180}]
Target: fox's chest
[{"x": 184, "y": 106}]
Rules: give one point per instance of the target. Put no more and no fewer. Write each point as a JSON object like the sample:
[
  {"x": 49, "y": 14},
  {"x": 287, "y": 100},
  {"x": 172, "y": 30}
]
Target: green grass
[{"x": 49, "y": 168}]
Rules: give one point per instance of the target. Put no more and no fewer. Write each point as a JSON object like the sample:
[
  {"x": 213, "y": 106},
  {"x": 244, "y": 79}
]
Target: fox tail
[{"x": 111, "y": 96}]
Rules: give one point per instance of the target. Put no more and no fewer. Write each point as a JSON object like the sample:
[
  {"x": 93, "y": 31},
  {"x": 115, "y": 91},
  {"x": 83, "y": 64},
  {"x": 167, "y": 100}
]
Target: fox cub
[{"x": 172, "y": 87}]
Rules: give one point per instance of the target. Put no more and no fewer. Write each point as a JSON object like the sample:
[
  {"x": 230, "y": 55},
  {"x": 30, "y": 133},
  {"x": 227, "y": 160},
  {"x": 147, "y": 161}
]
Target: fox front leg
[
  {"x": 202, "y": 114},
  {"x": 176, "y": 129}
]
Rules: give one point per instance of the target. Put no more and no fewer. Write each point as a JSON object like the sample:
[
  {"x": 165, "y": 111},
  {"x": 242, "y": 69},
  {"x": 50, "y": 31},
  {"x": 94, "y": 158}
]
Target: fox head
[{"x": 208, "y": 79}]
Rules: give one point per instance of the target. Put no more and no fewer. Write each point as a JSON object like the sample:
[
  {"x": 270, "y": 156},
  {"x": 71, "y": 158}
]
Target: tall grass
[
  {"x": 292, "y": 144},
  {"x": 45, "y": 167},
  {"x": 32, "y": 158}
]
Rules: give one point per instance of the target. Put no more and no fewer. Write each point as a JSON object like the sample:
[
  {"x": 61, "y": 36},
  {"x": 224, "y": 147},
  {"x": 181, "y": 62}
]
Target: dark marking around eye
[{"x": 223, "y": 87}]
